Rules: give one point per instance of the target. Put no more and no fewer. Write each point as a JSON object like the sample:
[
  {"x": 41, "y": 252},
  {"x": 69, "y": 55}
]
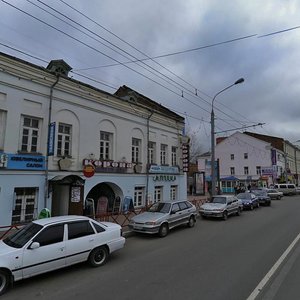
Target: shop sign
[
  {"x": 267, "y": 171},
  {"x": 22, "y": 162},
  {"x": 106, "y": 164},
  {"x": 164, "y": 178},
  {"x": 88, "y": 171},
  {"x": 163, "y": 169},
  {"x": 51, "y": 139}
]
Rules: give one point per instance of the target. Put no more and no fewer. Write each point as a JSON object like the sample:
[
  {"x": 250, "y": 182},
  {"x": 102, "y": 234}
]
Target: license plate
[{"x": 137, "y": 227}]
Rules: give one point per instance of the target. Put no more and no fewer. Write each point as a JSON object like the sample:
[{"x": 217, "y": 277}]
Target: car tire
[
  {"x": 251, "y": 207},
  {"x": 238, "y": 213},
  {"x": 163, "y": 230},
  {"x": 191, "y": 222},
  {"x": 225, "y": 215},
  {"x": 98, "y": 257},
  {"x": 4, "y": 281},
  {"x": 257, "y": 206},
  {"x": 278, "y": 198}
]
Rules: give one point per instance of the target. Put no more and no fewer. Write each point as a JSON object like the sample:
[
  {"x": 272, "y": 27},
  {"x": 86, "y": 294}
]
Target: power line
[{"x": 93, "y": 48}]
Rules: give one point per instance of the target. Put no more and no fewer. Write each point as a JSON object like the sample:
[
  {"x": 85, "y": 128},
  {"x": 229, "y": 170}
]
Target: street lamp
[{"x": 212, "y": 119}]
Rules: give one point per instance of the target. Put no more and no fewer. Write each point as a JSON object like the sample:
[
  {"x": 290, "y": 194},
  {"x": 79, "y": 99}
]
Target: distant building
[
  {"x": 246, "y": 158},
  {"x": 101, "y": 148}
]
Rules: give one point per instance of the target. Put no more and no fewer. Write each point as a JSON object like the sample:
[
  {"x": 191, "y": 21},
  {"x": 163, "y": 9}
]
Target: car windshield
[
  {"x": 22, "y": 236},
  {"x": 259, "y": 192},
  {"x": 244, "y": 196},
  {"x": 221, "y": 200},
  {"x": 160, "y": 207}
]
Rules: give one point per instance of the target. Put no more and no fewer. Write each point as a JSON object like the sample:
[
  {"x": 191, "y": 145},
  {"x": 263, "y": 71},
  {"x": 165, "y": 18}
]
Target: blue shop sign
[{"x": 25, "y": 162}]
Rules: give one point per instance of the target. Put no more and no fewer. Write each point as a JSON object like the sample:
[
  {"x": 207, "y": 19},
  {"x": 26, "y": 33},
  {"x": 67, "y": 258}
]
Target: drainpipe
[
  {"x": 148, "y": 158},
  {"x": 48, "y": 140}
]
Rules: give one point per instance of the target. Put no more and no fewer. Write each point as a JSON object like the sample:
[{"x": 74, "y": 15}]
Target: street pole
[{"x": 212, "y": 121}]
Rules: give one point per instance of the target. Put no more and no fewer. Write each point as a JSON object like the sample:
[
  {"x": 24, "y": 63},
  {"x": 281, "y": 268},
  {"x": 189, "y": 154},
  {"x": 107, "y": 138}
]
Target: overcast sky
[{"x": 216, "y": 41}]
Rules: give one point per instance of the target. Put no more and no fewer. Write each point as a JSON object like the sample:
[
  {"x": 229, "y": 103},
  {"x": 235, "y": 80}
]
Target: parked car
[
  {"x": 274, "y": 194},
  {"x": 263, "y": 197},
  {"x": 52, "y": 243},
  {"x": 221, "y": 206},
  {"x": 250, "y": 201},
  {"x": 163, "y": 216}
]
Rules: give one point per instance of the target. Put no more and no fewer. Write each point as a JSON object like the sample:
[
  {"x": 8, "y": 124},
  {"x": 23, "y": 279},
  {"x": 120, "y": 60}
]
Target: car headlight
[{"x": 151, "y": 223}]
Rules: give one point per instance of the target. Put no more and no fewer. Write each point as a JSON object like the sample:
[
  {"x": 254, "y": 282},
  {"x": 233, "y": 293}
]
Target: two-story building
[{"x": 65, "y": 144}]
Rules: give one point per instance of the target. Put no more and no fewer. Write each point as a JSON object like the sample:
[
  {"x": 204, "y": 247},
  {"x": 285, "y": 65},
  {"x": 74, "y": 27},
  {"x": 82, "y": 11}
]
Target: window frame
[
  {"x": 26, "y": 143},
  {"x": 105, "y": 145},
  {"x": 63, "y": 141}
]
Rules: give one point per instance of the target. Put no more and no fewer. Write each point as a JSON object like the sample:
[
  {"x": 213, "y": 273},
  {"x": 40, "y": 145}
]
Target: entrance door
[{"x": 76, "y": 200}]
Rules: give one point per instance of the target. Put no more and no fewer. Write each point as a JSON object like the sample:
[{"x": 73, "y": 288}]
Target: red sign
[{"x": 88, "y": 171}]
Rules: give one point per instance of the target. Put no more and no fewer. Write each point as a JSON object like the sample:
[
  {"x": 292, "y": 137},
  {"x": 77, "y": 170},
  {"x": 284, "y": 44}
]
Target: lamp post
[{"x": 212, "y": 119}]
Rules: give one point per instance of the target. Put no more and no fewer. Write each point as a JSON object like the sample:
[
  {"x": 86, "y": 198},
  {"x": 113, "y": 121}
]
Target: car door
[
  {"x": 81, "y": 239},
  {"x": 175, "y": 215},
  {"x": 235, "y": 204},
  {"x": 229, "y": 205},
  {"x": 185, "y": 212},
  {"x": 50, "y": 254}
]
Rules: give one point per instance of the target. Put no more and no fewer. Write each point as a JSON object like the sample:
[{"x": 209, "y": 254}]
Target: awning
[{"x": 69, "y": 179}]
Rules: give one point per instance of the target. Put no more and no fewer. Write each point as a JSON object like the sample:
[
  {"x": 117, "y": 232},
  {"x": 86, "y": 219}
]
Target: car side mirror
[{"x": 34, "y": 245}]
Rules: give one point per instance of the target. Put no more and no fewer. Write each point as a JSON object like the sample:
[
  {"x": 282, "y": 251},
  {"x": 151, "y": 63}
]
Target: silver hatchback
[{"x": 163, "y": 216}]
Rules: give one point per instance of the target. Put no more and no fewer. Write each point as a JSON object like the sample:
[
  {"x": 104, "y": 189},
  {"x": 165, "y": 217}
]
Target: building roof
[
  {"x": 276, "y": 142},
  {"x": 126, "y": 93}
]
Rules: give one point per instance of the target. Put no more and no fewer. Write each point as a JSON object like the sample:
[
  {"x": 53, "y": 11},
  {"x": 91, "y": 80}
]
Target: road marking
[{"x": 267, "y": 277}]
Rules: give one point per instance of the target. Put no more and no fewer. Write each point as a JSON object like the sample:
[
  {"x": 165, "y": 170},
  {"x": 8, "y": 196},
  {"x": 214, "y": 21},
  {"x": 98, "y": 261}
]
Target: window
[
  {"x": 25, "y": 205},
  {"x": 106, "y": 139},
  {"x": 79, "y": 229},
  {"x": 2, "y": 127},
  {"x": 175, "y": 208},
  {"x": 64, "y": 140},
  {"x": 245, "y": 155},
  {"x": 136, "y": 150},
  {"x": 174, "y": 156},
  {"x": 138, "y": 196},
  {"x": 163, "y": 154},
  {"x": 258, "y": 170},
  {"x": 30, "y": 134},
  {"x": 232, "y": 171},
  {"x": 232, "y": 156},
  {"x": 98, "y": 227},
  {"x": 246, "y": 170},
  {"x": 158, "y": 193},
  {"x": 173, "y": 192},
  {"x": 152, "y": 150},
  {"x": 50, "y": 235},
  {"x": 182, "y": 205}
]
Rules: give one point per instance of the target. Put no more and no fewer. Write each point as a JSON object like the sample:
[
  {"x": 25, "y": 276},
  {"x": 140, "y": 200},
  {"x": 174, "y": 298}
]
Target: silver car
[
  {"x": 163, "y": 216},
  {"x": 221, "y": 207}
]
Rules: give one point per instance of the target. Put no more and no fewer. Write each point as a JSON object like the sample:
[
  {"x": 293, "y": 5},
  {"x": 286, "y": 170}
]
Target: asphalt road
[{"x": 214, "y": 260}]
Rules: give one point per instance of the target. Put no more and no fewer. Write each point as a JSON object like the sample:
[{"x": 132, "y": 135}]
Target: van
[{"x": 286, "y": 188}]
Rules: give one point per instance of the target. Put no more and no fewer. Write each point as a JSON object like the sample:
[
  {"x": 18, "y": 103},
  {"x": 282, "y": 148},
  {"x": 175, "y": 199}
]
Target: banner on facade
[{"x": 51, "y": 139}]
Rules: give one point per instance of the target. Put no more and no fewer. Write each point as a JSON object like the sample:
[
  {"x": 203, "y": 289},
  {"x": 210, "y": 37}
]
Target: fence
[{"x": 119, "y": 218}]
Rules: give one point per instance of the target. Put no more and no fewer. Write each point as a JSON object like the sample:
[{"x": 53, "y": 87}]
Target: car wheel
[
  {"x": 98, "y": 256},
  {"x": 191, "y": 222},
  {"x": 257, "y": 206},
  {"x": 238, "y": 213},
  {"x": 278, "y": 198},
  {"x": 251, "y": 207},
  {"x": 163, "y": 230},
  {"x": 225, "y": 215},
  {"x": 4, "y": 281}
]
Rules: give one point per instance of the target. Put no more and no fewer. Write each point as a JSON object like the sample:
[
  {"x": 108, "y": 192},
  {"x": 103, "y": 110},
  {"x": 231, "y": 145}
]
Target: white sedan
[{"x": 52, "y": 243}]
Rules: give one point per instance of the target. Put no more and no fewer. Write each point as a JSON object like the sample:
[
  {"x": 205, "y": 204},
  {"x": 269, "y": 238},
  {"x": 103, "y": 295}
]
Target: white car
[
  {"x": 221, "y": 206},
  {"x": 52, "y": 243}
]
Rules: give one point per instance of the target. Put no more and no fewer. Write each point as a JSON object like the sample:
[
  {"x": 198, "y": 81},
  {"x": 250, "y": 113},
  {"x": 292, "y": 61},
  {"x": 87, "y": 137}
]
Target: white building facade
[
  {"x": 244, "y": 160},
  {"x": 64, "y": 144}
]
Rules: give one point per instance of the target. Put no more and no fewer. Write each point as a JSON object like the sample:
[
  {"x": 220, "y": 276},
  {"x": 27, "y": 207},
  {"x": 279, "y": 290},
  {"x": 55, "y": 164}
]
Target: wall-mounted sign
[
  {"x": 106, "y": 164},
  {"x": 185, "y": 157},
  {"x": 163, "y": 169},
  {"x": 88, "y": 171},
  {"x": 23, "y": 162},
  {"x": 51, "y": 139},
  {"x": 164, "y": 178}
]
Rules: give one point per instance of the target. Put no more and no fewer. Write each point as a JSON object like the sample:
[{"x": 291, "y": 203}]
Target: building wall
[
  {"x": 25, "y": 91},
  {"x": 238, "y": 144}
]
